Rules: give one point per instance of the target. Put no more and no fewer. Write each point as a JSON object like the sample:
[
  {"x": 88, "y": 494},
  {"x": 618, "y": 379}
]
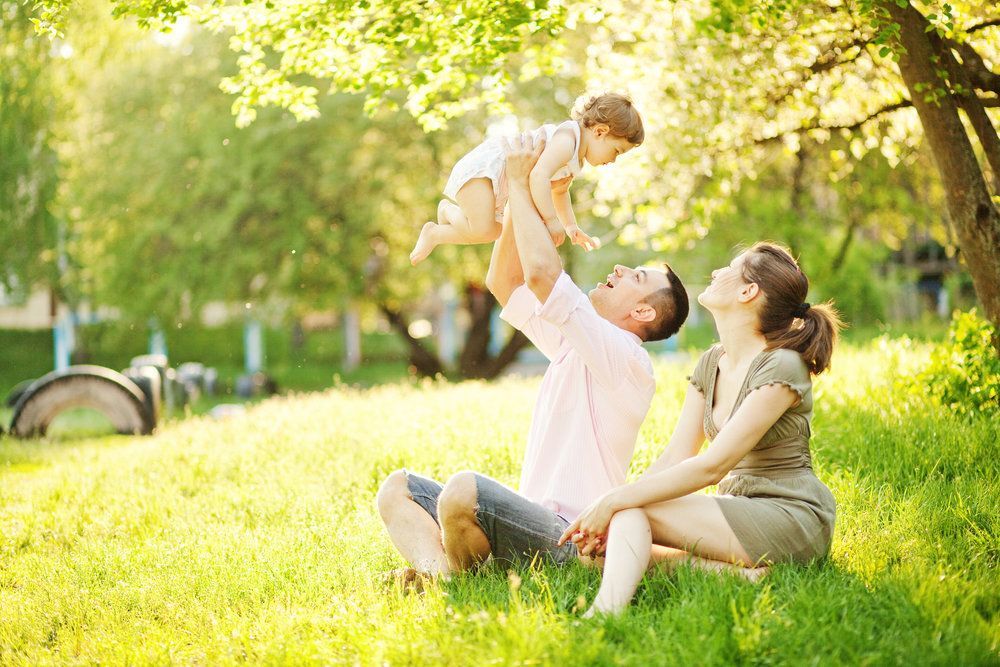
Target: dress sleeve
[
  {"x": 783, "y": 367},
  {"x": 699, "y": 376}
]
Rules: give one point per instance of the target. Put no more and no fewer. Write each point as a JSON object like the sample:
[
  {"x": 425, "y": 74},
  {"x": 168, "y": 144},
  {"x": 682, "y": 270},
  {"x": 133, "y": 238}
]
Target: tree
[
  {"x": 725, "y": 78},
  {"x": 28, "y": 168},
  {"x": 171, "y": 207}
]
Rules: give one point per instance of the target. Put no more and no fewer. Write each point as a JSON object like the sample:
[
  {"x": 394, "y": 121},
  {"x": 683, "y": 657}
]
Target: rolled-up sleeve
[
  {"x": 521, "y": 312},
  {"x": 609, "y": 352}
]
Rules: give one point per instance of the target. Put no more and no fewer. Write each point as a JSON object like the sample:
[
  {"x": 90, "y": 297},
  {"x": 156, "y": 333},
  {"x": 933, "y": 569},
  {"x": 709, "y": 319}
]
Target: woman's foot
[
  {"x": 425, "y": 243},
  {"x": 754, "y": 574}
]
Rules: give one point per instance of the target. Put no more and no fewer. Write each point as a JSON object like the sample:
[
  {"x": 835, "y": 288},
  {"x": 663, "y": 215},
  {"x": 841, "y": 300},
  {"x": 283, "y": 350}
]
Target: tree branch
[
  {"x": 517, "y": 342},
  {"x": 828, "y": 60},
  {"x": 989, "y": 23},
  {"x": 889, "y": 108},
  {"x": 980, "y": 76}
]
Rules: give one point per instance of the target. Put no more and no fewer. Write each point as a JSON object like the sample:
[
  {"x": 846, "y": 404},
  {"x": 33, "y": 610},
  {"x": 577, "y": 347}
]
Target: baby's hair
[{"x": 617, "y": 112}]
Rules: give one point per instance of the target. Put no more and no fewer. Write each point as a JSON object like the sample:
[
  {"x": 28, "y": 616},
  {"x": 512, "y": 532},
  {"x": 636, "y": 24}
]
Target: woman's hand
[{"x": 592, "y": 523}]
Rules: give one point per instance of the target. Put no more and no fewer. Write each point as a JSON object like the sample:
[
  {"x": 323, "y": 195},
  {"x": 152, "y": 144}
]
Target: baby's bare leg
[{"x": 472, "y": 221}]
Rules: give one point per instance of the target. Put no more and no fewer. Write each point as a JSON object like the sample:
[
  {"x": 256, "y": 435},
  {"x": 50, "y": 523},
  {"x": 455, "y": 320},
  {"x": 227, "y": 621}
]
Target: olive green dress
[{"x": 775, "y": 505}]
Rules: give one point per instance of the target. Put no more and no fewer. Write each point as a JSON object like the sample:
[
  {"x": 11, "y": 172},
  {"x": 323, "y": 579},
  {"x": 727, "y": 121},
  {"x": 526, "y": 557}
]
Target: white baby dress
[{"x": 488, "y": 160}]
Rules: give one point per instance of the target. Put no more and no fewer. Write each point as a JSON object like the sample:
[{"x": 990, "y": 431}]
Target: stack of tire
[{"x": 133, "y": 401}]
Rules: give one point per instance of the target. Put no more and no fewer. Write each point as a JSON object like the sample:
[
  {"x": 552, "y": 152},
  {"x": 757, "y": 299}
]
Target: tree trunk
[
  {"x": 475, "y": 356},
  {"x": 969, "y": 102},
  {"x": 422, "y": 359},
  {"x": 475, "y": 360},
  {"x": 845, "y": 245},
  {"x": 798, "y": 194},
  {"x": 975, "y": 217},
  {"x": 516, "y": 343}
]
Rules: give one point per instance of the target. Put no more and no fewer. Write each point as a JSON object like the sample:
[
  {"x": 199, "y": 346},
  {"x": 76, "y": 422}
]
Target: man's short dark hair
[{"x": 671, "y": 306}]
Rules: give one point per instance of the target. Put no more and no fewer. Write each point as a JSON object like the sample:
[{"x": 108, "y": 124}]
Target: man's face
[{"x": 625, "y": 289}]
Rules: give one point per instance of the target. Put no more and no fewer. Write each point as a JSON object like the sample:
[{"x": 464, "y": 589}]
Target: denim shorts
[{"x": 519, "y": 531}]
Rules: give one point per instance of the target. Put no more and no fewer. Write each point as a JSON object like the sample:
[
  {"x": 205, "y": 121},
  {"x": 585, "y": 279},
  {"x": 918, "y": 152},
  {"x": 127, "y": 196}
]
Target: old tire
[{"x": 96, "y": 387}]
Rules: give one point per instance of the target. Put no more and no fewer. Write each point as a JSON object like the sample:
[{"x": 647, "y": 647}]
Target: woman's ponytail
[
  {"x": 785, "y": 320},
  {"x": 813, "y": 336}
]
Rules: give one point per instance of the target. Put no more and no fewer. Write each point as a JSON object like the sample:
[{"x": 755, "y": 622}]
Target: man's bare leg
[
  {"x": 465, "y": 543},
  {"x": 412, "y": 530}
]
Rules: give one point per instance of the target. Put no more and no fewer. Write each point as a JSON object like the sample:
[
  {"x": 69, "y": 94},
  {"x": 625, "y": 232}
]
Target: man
[{"x": 593, "y": 399}]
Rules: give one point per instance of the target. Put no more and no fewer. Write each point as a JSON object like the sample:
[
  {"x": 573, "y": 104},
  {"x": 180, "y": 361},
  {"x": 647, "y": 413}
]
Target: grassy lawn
[{"x": 255, "y": 539}]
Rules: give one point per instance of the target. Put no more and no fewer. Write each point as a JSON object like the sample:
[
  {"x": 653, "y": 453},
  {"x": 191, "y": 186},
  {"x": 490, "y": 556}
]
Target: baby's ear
[{"x": 600, "y": 129}]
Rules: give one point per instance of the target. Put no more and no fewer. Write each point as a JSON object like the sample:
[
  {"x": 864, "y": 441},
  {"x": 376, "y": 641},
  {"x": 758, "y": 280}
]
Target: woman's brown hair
[
  {"x": 786, "y": 320},
  {"x": 617, "y": 112}
]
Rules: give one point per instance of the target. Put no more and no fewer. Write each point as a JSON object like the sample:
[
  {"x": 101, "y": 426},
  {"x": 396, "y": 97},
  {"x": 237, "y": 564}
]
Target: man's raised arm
[
  {"x": 540, "y": 262},
  {"x": 504, "y": 274}
]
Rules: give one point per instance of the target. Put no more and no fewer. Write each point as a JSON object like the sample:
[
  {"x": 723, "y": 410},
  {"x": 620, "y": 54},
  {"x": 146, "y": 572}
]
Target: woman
[{"x": 751, "y": 395}]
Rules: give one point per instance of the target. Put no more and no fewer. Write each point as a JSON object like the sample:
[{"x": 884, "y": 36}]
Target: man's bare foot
[
  {"x": 407, "y": 579},
  {"x": 425, "y": 244}
]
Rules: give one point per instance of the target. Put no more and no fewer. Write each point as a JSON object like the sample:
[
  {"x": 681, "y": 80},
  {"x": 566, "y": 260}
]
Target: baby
[{"x": 607, "y": 126}]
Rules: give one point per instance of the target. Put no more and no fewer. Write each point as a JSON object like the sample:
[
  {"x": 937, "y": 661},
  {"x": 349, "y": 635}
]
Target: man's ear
[
  {"x": 748, "y": 293},
  {"x": 643, "y": 312}
]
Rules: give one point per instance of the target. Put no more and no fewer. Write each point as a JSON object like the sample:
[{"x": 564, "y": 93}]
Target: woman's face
[{"x": 727, "y": 283}]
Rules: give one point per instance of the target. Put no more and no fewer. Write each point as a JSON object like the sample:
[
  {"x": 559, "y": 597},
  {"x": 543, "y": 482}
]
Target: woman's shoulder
[
  {"x": 699, "y": 376},
  {"x": 710, "y": 355},
  {"x": 783, "y": 366}
]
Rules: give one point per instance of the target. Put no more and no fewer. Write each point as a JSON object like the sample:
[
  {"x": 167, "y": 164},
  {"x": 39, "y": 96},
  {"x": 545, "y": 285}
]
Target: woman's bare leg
[
  {"x": 473, "y": 220},
  {"x": 693, "y": 522},
  {"x": 670, "y": 559},
  {"x": 630, "y": 544}
]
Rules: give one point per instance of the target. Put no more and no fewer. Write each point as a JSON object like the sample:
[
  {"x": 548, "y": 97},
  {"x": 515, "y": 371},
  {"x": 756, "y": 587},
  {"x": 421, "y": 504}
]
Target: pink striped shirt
[{"x": 594, "y": 396}]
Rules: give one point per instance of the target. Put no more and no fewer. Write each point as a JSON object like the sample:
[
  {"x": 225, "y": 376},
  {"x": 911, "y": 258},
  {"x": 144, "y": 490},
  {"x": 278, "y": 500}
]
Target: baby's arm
[
  {"x": 558, "y": 151},
  {"x": 564, "y": 211}
]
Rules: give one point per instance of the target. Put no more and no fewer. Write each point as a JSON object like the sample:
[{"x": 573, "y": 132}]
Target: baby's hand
[{"x": 582, "y": 239}]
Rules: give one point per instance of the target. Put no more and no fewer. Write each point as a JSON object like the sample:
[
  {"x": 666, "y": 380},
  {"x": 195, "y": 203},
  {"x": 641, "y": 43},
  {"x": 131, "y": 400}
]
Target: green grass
[{"x": 255, "y": 539}]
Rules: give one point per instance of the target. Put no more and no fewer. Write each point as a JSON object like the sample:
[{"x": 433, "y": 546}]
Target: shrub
[{"x": 964, "y": 372}]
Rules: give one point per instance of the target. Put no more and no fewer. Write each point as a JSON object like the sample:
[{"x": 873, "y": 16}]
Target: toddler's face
[{"x": 604, "y": 147}]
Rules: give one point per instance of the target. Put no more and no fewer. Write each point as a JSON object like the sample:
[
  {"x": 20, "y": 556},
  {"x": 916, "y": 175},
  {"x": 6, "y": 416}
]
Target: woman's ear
[{"x": 748, "y": 293}]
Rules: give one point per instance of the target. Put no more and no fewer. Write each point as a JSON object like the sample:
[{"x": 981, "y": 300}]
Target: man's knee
[
  {"x": 459, "y": 497},
  {"x": 394, "y": 489}
]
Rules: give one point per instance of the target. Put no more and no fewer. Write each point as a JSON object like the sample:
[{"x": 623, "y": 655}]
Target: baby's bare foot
[{"x": 425, "y": 244}]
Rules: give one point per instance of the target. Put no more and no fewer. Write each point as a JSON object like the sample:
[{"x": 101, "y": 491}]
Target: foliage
[
  {"x": 448, "y": 56},
  {"x": 256, "y": 539},
  {"x": 729, "y": 80},
  {"x": 28, "y": 167},
  {"x": 964, "y": 373}
]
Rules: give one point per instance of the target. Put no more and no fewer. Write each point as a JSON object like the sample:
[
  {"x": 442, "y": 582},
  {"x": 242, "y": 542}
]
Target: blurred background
[{"x": 136, "y": 216}]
